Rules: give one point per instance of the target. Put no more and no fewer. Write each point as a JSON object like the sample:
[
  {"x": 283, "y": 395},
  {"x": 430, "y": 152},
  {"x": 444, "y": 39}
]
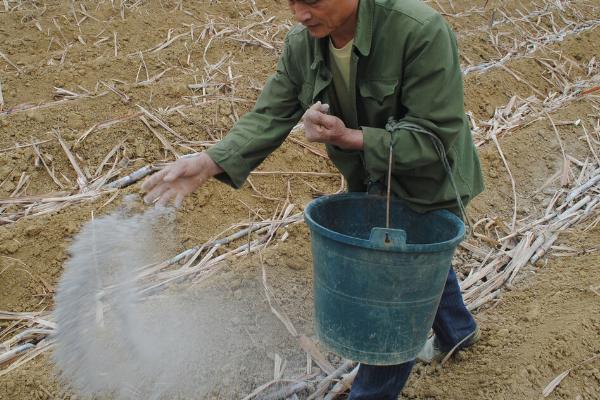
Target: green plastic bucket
[{"x": 377, "y": 290}]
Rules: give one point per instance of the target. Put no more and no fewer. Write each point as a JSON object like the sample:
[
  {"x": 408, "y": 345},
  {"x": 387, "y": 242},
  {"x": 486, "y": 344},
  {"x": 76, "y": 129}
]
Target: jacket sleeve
[
  {"x": 261, "y": 130},
  {"x": 432, "y": 93}
]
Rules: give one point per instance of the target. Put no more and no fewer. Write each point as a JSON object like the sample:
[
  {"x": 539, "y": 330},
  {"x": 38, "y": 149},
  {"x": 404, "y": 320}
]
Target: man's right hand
[{"x": 179, "y": 179}]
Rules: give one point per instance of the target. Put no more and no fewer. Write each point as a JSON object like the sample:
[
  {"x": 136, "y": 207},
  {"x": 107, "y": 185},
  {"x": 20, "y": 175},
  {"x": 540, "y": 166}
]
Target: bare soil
[{"x": 548, "y": 322}]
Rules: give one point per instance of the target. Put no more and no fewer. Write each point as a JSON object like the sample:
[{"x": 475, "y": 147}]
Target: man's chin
[{"x": 317, "y": 32}]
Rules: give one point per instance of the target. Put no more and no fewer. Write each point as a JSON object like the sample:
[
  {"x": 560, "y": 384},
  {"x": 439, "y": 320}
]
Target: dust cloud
[{"x": 182, "y": 343}]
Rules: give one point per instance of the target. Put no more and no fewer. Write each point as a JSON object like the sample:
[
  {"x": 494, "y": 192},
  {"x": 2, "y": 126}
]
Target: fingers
[
  {"x": 320, "y": 119},
  {"x": 321, "y": 107},
  {"x": 169, "y": 173},
  {"x": 183, "y": 167},
  {"x": 179, "y": 199},
  {"x": 158, "y": 183},
  {"x": 174, "y": 171},
  {"x": 324, "y": 108},
  {"x": 313, "y": 116},
  {"x": 163, "y": 193},
  {"x": 154, "y": 180},
  {"x": 316, "y": 109},
  {"x": 156, "y": 193},
  {"x": 163, "y": 200}
]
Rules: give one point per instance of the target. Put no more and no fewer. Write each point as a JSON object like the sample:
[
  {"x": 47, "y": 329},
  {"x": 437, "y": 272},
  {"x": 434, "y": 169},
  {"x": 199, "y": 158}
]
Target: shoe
[{"x": 432, "y": 350}]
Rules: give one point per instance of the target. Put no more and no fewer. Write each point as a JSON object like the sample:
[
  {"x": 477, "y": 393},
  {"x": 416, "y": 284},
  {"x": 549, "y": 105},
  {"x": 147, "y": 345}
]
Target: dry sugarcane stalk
[
  {"x": 161, "y": 138},
  {"x": 287, "y": 391},
  {"x": 328, "y": 380},
  {"x": 278, "y": 313},
  {"x": 133, "y": 177},
  {"x": 50, "y": 198},
  {"x": 1, "y": 98},
  {"x": 161, "y": 123},
  {"x": 521, "y": 255},
  {"x": 258, "y": 227},
  {"x": 265, "y": 386},
  {"x": 520, "y": 112},
  {"x": 31, "y": 317},
  {"x": 124, "y": 98},
  {"x": 481, "y": 301},
  {"x": 29, "y": 333},
  {"x": 539, "y": 253},
  {"x": 23, "y": 180},
  {"x": 167, "y": 42},
  {"x": 565, "y": 176},
  {"x": 21, "y": 146},
  {"x": 512, "y": 182},
  {"x": 86, "y": 133},
  {"x": 589, "y": 142},
  {"x": 476, "y": 251},
  {"x": 576, "y": 207},
  {"x": 154, "y": 78},
  {"x": 50, "y": 172},
  {"x": 556, "y": 381},
  {"x": 493, "y": 266},
  {"x": 81, "y": 179},
  {"x": 343, "y": 385},
  {"x": 305, "y": 343},
  {"x": 595, "y": 179},
  {"x": 310, "y": 148},
  {"x": 110, "y": 155},
  {"x": 317, "y": 356},
  {"x": 28, "y": 355},
  {"x": 116, "y": 45},
  {"x": 107, "y": 124},
  {"x": 210, "y": 264},
  {"x": 29, "y": 107},
  {"x": 187, "y": 269},
  {"x": 15, "y": 352},
  {"x": 5, "y": 57}
]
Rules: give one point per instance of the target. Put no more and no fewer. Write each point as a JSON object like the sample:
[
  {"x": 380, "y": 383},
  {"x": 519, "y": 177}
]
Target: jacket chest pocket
[
  {"x": 379, "y": 90},
  {"x": 378, "y": 100}
]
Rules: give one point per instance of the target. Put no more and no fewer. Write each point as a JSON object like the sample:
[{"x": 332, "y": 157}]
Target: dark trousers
[{"x": 452, "y": 323}]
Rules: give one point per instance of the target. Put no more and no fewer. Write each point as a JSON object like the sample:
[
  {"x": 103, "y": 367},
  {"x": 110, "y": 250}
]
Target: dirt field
[{"x": 92, "y": 91}]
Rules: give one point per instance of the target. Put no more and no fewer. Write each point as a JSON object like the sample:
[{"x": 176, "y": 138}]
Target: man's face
[{"x": 322, "y": 17}]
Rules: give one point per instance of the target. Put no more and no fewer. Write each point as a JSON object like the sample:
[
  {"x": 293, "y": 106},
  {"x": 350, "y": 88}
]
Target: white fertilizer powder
[{"x": 183, "y": 343}]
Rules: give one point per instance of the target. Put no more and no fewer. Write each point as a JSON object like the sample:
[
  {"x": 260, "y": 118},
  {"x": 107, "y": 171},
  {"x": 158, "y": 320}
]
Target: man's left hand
[{"x": 323, "y": 128}]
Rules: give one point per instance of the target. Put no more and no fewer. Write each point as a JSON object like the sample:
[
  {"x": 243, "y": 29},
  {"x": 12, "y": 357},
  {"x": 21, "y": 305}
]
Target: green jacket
[{"x": 404, "y": 66}]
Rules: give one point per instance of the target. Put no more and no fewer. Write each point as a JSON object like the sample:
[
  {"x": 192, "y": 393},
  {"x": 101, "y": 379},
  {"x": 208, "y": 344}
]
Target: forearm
[{"x": 351, "y": 139}]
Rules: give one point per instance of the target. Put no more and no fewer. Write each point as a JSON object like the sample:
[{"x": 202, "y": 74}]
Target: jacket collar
[
  {"x": 364, "y": 28},
  {"x": 362, "y": 37}
]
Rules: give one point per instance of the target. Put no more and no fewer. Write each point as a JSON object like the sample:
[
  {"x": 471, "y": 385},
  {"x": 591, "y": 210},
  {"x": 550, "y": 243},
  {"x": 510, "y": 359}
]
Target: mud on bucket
[{"x": 377, "y": 290}]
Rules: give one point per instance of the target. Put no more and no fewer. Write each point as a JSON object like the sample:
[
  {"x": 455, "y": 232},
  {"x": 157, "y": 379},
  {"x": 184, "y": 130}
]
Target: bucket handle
[
  {"x": 389, "y": 187},
  {"x": 440, "y": 149}
]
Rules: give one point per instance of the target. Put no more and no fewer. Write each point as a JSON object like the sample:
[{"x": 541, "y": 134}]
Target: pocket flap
[{"x": 378, "y": 89}]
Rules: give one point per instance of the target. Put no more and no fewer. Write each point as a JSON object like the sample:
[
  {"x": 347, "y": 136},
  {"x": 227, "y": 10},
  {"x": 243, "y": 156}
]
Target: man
[{"x": 350, "y": 67}]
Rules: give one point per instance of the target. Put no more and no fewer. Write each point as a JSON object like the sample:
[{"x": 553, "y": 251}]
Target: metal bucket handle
[{"x": 440, "y": 149}]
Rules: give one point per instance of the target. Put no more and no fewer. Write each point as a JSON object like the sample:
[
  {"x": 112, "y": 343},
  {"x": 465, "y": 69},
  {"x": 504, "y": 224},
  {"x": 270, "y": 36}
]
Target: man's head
[{"x": 325, "y": 17}]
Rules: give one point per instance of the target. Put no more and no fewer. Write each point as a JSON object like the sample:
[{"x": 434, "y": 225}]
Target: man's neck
[{"x": 345, "y": 33}]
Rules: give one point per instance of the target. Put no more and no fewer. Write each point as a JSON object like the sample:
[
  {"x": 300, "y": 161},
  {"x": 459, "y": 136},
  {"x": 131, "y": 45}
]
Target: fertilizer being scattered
[{"x": 182, "y": 342}]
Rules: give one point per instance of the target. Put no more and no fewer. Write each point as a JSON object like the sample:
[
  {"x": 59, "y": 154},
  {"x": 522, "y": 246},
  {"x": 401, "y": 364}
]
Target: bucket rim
[{"x": 404, "y": 248}]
